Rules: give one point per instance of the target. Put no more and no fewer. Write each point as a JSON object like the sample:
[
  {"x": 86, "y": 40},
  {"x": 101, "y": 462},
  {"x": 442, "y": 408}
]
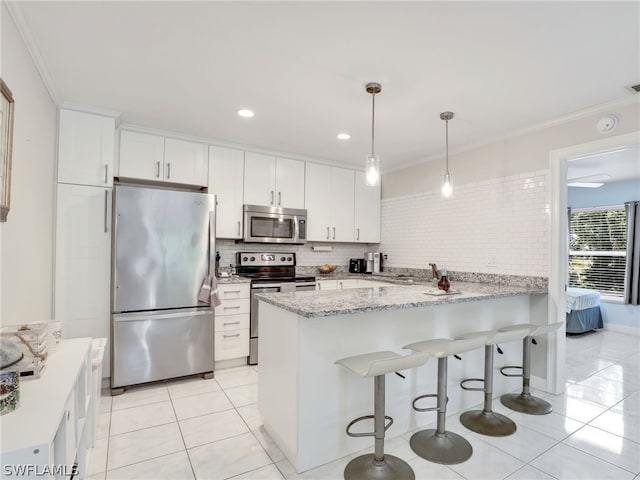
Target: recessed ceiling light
[
  {"x": 344, "y": 136},
  {"x": 243, "y": 112}
]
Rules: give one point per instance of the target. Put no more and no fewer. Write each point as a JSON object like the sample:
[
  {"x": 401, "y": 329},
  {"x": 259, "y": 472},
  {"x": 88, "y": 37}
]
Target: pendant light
[
  {"x": 447, "y": 188},
  {"x": 372, "y": 170}
]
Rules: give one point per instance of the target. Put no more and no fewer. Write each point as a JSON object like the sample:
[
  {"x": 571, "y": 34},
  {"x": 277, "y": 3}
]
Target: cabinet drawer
[
  {"x": 232, "y": 322},
  {"x": 232, "y": 344},
  {"x": 233, "y": 307},
  {"x": 233, "y": 290}
]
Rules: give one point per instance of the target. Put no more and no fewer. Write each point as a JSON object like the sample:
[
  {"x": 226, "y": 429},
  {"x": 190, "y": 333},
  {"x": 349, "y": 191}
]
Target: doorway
[{"x": 558, "y": 271}]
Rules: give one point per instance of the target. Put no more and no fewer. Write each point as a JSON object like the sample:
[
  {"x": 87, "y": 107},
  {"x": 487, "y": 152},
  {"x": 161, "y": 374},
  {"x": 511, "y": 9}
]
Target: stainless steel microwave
[{"x": 274, "y": 224}]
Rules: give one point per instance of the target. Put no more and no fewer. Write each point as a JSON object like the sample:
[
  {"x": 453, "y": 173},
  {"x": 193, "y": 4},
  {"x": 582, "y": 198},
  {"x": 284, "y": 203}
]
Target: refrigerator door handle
[
  {"x": 106, "y": 208},
  {"x": 212, "y": 237}
]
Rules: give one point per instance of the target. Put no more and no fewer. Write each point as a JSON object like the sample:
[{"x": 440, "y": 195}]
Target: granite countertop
[
  {"x": 326, "y": 303},
  {"x": 233, "y": 279}
]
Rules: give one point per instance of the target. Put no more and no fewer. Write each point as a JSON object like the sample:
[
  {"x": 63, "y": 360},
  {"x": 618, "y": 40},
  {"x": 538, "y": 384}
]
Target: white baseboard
[
  {"x": 614, "y": 327},
  {"x": 234, "y": 362}
]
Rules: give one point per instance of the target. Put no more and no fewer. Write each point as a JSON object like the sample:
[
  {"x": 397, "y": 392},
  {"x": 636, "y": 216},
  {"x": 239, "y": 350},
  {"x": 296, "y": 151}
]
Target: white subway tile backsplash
[{"x": 499, "y": 226}]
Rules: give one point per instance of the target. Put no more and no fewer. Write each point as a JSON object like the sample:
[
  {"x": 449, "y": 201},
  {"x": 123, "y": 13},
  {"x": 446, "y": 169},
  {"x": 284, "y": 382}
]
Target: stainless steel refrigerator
[{"x": 163, "y": 243}]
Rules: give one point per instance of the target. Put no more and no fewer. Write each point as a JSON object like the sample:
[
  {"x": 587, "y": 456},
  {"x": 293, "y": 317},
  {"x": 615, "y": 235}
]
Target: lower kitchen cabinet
[
  {"x": 347, "y": 283},
  {"x": 232, "y": 322}
]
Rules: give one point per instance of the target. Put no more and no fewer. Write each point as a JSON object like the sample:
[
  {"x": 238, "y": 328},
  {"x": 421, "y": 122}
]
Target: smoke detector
[{"x": 607, "y": 123}]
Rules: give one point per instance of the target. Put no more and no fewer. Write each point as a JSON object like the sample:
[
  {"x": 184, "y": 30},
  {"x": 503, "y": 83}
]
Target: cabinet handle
[
  {"x": 238, "y": 227},
  {"x": 168, "y": 171},
  {"x": 319, "y": 286},
  {"x": 106, "y": 174},
  {"x": 157, "y": 169},
  {"x": 279, "y": 198},
  {"x": 68, "y": 415},
  {"x": 358, "y": 234},
  {"x": 230, "y": 308},
  {"x": 231, "y": 323},
  {"x": 230, "y": 336},
  {"x": 327, "y": 233},
  {"x": 341, "y": 286},
  {"x": 106, "y": 207},
  {"x": 334, "y": 233},
  {"x": 271, "y": 198},
  {"x": 231, "y": 291}
]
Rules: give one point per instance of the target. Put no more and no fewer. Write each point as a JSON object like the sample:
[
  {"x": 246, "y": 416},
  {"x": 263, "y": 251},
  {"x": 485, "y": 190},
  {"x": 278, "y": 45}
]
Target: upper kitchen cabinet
[
  {"x": 366, "y": 211},
  {"x": 85, "y": 148},
  {"x": 274, "y": 181},
  {"x": 226, "y": 171},
  {"x": 153, "y": 157},
  {"x": 329, "y": 199}
]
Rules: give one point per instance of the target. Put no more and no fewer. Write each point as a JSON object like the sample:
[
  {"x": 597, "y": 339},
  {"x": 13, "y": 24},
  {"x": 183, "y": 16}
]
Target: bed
[{"x": 583, "y": 310}]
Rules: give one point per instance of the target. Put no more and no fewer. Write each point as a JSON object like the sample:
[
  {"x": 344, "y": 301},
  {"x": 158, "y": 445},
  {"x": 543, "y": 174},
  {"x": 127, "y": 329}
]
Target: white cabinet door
[
  {"x": 348, "y": 283},
  {"x": 341, "y": 196},
  {"x": 85, "y": 148},
  {"x": 289, "y": 183},
  {"x": 317, "y": 200},
  {"x": 259, "y": 179},
  {"x": 185, "y": 162},
  {"x": 366, "y": 211},
  {"x": 83, "y": 260},
  {"x": 226, "y": 179},
  {"x": 326, "y": 285},
  {"x": 141, "y": 156}
]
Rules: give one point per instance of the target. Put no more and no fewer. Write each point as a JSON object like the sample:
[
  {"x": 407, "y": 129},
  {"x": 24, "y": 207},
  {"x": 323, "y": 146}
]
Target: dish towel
[{"x": 209, "y": 291}]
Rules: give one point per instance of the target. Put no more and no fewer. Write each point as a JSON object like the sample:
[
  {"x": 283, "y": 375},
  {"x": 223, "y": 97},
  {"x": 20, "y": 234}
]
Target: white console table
[{"x": 51, "y": 428}]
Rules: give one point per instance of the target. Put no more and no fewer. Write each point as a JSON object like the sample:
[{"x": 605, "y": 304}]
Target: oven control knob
[
  {"x": 282, "y": 259},
  {"x": 244, "y": 259},
  {"x": 253, "y": 259},
  {"x": 289, "y": 258}
]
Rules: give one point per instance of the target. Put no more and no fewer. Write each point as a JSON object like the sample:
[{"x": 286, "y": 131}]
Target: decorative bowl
[{"x": 326, "y": 268}]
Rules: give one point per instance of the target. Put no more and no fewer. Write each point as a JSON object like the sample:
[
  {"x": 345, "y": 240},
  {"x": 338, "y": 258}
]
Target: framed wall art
[{"x": 6, "y": 147}]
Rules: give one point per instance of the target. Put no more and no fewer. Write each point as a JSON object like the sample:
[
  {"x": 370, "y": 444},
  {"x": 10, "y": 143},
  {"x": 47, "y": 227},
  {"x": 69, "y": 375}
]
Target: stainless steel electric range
[{"x": 269, "y": 272}]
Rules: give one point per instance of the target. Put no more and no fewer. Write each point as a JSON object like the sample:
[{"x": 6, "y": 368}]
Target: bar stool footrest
[
  {"x": 472, "y": 389},
  {"x": 367, "y": 434},
  {"x": 504, "y": 372},
  {"x": 427, "y": 409}
]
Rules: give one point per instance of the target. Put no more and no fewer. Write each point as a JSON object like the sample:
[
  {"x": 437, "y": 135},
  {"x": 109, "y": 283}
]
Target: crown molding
[
  {"x": 27, "y": 38},
  {"x": 570, "y": 117},
  {"x": 106, "y": 112}
]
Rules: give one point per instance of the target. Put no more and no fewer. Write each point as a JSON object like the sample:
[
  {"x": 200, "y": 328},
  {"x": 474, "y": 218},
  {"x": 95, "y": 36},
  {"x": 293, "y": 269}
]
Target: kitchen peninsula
[{"x": 306, "y": 401}]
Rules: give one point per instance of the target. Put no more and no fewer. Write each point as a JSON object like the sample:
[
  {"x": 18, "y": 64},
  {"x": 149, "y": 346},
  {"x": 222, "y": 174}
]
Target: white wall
[
  {"x": 26, "y": 250},
  {"x": 498, "y": 218}
]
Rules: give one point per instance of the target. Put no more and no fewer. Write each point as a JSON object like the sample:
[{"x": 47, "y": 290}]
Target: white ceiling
[{"x": 302, "y": 66}]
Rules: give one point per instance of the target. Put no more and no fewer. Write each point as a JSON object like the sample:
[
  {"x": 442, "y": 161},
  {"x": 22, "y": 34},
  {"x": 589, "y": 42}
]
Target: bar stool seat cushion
[
  {"x": 380, "y": 363},
  {"x": 534, "y": 329},
  {"x": 445, "y": 347}
]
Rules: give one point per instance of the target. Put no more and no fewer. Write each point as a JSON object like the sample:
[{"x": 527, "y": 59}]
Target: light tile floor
[{"x": 211, "y": 429}]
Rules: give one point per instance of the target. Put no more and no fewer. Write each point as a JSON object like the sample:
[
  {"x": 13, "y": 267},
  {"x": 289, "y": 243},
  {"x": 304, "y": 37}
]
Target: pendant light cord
[
  {"x": 373, "y": 123},
  {"x": 447, "y": 144}
]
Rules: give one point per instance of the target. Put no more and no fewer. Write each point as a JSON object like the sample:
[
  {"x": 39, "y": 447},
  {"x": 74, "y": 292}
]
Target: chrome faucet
[{"x": 435, "y": 271}]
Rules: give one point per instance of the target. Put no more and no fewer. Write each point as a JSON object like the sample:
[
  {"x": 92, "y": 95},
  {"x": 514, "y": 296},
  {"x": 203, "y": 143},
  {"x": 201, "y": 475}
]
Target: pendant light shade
[
  {"x": 447, "y": 187},
  {"x": 372, "y": 168}
]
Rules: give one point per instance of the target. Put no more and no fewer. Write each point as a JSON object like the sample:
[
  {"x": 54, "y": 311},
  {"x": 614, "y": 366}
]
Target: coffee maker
[{"x": 373, "y": 262}]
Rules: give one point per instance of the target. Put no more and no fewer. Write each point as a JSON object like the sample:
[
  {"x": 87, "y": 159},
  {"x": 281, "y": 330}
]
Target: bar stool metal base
[
  {"x": 526, "y": 403},
  {"x": 447, "y": 449},
  {"x": 488, "y": 423},
  {"x": 365, "y": 467}
]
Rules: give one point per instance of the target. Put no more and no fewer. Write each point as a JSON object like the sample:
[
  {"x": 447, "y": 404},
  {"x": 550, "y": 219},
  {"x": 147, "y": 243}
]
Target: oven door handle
[{"x": 264, "y": 286}]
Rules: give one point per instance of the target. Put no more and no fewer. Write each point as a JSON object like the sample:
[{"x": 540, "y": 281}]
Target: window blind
[{"x": 597, "y": 249}]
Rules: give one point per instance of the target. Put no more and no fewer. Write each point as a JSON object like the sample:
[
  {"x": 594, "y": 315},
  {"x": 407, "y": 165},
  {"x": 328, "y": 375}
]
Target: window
[{"x": 598, "y": 249}]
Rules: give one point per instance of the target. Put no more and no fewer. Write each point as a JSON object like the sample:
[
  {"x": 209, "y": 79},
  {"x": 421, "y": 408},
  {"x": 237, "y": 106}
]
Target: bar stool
[
  {"x": 438, "y": 445},
  {"x": 378, "y": 466},
  {"x": 524, "y": 402},
  {"x": 486, "y": 421}
]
